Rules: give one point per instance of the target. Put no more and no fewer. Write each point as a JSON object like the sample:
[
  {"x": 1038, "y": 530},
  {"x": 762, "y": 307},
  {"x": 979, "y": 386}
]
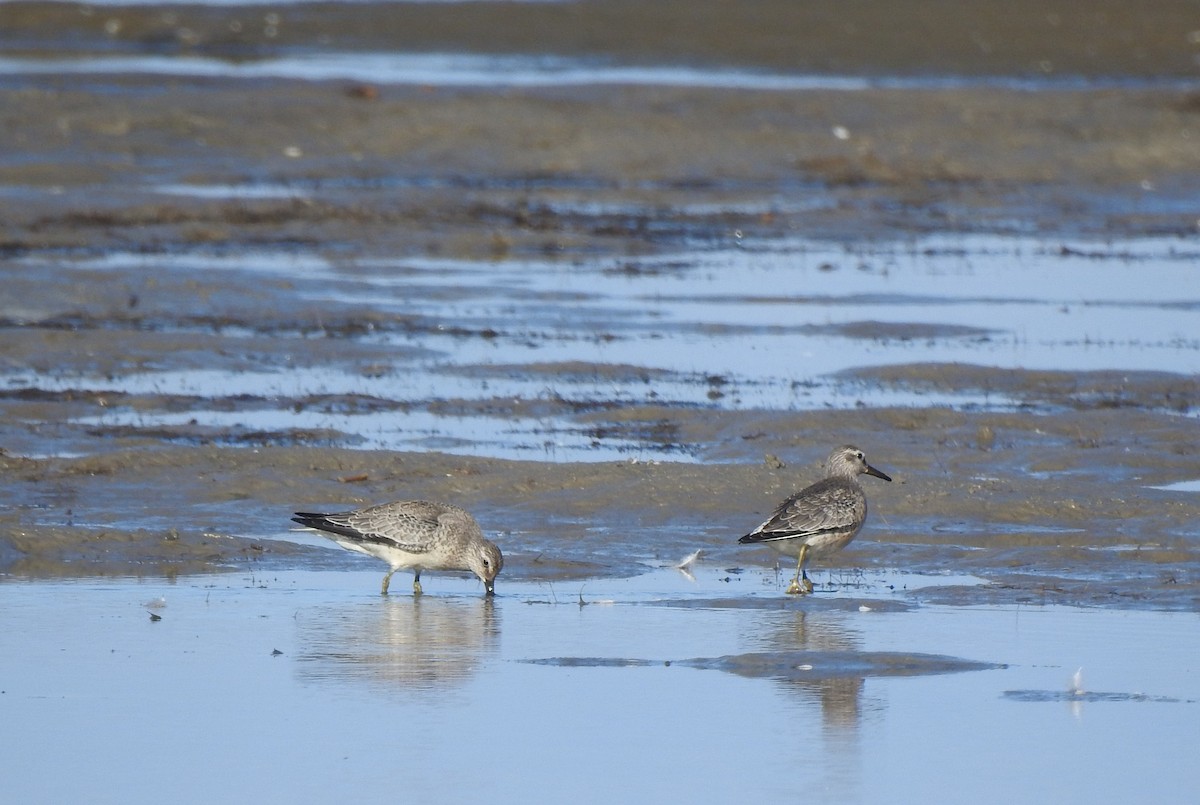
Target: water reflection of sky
[
  {"x": 354, "y": 693},
  {"x": 757, "y": 325},
  {"x": 487, "y": 70}
]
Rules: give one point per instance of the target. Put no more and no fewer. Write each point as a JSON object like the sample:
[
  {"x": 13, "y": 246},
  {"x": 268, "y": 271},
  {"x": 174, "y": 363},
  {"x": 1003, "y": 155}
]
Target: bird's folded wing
[
  {"x": 403, "y": 530},
  {"x": 364, "y": 526},
  {"x": 407, "y": 545},
  {"x": 822, "y": 509},
  {"x": 783, "y": 532}
]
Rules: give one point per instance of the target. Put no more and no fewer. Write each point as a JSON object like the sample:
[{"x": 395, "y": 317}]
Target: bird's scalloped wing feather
[{"x": 826, "y": 506}]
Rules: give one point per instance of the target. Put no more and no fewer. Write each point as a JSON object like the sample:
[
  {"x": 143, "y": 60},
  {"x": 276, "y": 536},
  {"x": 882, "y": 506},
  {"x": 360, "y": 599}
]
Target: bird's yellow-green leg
[
  {"x": 417, "y": 583},
  {"x": 386, "y": 581},
  {"x": 800, "y": 584}
]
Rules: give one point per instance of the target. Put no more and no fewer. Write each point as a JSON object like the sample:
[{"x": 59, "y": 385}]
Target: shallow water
[
  {"x": 635, "y": 681},
  {"x": 498, "y": 71},
  {"x": 437, "y": 352}
]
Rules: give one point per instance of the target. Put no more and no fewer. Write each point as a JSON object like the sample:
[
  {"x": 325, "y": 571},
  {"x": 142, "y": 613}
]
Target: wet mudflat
[{"x": 617, "y": 294}]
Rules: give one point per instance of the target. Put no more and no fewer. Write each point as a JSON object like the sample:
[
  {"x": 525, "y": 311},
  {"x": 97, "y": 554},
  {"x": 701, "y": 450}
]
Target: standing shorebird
[
  {"x": 414, "y": 534},
  {"x": 820, "y": 519}
]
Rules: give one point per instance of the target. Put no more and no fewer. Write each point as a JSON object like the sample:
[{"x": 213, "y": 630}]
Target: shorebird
[
  {"x": 820, "y": 519},
  {"x": 414, "y": 534}
]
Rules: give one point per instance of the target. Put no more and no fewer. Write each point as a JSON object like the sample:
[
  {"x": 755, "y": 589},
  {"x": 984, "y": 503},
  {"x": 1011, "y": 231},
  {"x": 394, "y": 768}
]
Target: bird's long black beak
[
  {"x": 490, "y": 586},
  {"x": 872, "y": 471}
]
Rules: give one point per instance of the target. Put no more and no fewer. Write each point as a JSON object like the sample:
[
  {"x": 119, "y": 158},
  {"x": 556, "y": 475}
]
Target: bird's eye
[{"x": 486, "y": 563}]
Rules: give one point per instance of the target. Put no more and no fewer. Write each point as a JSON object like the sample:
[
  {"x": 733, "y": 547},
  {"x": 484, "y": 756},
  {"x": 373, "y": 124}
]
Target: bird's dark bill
[{"x": 872, "y": 471}]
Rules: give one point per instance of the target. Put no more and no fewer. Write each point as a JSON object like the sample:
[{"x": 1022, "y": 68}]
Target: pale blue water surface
[
  {"x": 527, "y": 71},
  {"x": 436, "y": 699}
]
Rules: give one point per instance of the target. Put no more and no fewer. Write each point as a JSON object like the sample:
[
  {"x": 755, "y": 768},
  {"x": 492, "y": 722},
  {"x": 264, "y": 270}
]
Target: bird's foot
[
  {"x": 799, "y": 587},
  {"x": 417, "y": 588}
]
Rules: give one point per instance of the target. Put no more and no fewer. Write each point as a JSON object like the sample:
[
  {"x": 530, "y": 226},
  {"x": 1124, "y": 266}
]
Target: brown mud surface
[
  {"x": 1046, "y": 509},
  {"x": 473, "y": 171}
]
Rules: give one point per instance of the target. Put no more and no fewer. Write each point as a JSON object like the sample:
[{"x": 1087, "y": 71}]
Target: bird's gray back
[
  {"x": 412, "y": 524},
  {"x": 829, "y": 505}
]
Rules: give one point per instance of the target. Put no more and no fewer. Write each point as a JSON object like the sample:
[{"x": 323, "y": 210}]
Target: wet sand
[
  {"x": 1040, "y": 525},
  {"x": 454, "y": 170}
]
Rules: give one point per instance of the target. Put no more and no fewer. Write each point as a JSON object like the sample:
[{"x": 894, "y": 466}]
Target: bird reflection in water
[
  {"x": 813, "y": 650},
  {"x": 820, "y": 669},
  {"x": 418, "y": 643}
]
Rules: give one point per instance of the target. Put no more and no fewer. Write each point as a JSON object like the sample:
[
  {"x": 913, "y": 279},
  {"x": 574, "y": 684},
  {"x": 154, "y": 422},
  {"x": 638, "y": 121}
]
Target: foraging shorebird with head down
[
  {"x": 820, "y": 519},
  {"x": 413, "y": 534}
]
